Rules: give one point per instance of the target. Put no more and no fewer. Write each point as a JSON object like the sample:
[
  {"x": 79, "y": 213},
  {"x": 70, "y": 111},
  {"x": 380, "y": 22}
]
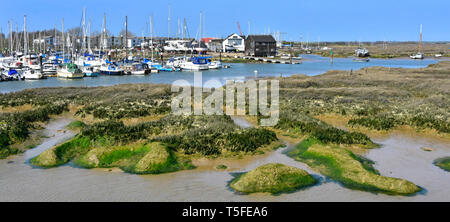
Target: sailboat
[
  {"x": 196, "y": 63},
  {"x": 419, "y": 54}
]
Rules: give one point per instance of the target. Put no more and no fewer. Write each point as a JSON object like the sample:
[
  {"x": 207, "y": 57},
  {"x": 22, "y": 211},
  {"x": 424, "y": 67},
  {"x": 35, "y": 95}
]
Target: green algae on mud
[
  {"x": 272, "y": 178},
  {"x": 150, "y": 158},
  {"x": 443, "y": 163},
  {"x": 75, "y": 125},
  {"x": 349, "y": 169},
  {"x": 63, "y": 153}
]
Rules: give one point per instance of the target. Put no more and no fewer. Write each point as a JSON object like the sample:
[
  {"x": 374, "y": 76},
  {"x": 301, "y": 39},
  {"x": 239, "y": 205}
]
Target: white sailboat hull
[
  {"x": 32, "y": 76},
  {"x": 194, "y": 67}
]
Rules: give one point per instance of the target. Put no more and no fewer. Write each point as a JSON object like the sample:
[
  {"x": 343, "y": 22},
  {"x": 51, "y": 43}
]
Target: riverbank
[{"x": 387, "y": 50}]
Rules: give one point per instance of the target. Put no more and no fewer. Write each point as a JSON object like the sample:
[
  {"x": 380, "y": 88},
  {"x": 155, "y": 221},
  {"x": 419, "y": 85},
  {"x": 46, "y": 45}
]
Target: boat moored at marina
[
  {"x": 137, "y": 69},
  {"x": 111, "y": 69},
  {"x": 11, "y": 74},
  {"x": 214, "y": 64},
  {"x": 90, "y": 71},
  {"x": 70, "y": 71},
  {"x": 32, "y": 74},
  {"x": 195, "y": 63}
]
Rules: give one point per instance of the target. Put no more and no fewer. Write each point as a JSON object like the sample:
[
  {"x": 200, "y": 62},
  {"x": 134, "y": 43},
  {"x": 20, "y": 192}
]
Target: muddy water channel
[{"x": 400, "y": 156}]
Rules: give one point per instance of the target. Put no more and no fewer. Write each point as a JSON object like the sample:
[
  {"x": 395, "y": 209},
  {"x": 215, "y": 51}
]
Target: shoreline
[{"x": 250, "y": 75}]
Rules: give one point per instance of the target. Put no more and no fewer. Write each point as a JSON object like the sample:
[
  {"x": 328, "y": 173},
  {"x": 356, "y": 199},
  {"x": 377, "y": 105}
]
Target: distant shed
[{"x": 260, "y": 46}]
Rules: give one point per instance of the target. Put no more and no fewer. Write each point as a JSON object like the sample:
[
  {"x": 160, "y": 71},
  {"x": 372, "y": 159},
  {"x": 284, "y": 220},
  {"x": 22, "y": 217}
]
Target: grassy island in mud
[
  {"x": 443, "y": 163},
  {"x": 272, "y": 178},
  {"x": 356, "y": 172}
]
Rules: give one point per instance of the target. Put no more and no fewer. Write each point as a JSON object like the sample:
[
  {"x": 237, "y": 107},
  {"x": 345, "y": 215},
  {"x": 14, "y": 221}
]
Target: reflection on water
[
  {"x": 400, "y": 156},
  {"x": 312, "y": 65}
]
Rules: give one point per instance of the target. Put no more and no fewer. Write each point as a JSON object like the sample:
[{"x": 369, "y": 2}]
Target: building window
[{"x": 234, "y": 41}]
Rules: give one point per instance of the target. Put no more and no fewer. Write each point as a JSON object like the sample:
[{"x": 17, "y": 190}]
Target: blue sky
[{"x": 329, "y": 20}]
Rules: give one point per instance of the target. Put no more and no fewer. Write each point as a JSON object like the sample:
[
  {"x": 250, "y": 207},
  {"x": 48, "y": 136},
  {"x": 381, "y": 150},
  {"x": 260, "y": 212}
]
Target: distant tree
[{"x": 130, "y": 34}]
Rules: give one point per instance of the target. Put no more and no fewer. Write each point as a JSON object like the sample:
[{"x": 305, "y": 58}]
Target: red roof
[{"x": 207, "y": 40}]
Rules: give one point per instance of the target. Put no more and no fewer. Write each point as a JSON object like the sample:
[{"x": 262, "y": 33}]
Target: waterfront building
[
  {"x": 260, "y": 46},
  {"x": 234, "y": 43}
]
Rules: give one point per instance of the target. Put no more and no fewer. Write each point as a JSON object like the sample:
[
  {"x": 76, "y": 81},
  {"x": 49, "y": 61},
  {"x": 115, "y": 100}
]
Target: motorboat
[
  {"x": 418, "y": 55},
  {"x": 70, "y": 71},
  {"x": 214, "y": 64},
  {"x": 111, "y": 69},
  {"x": 32, "y": 74},
  {"x": 195, "y": 63},
  {"x": 11, "y": 74},
  {"x": 49, "y": 69},
  {"x": 161, "y": 68},
  {"x": 90, "y": 71},
  {"x": 175, "y": 62},
  {"x": 138, "y": 69}
]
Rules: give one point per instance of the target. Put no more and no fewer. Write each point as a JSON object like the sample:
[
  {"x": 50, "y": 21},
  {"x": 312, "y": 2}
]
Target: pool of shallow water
[{"x": 400, "y": 156}]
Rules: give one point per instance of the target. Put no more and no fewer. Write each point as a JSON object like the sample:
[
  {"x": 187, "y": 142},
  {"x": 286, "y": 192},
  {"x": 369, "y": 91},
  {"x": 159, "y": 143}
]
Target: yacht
[
  {"x": 70, "y": 71},
  {"x": 419, "y": 54},
  {"x": 140, "y": 69},
  {"x": 32, "y": 74},
  {"x": 195, "y": 63},
  {"x": 49, "y": 69},
  {"x": 111, "y": 69},
  {"x": 214, "y": 64},
  {"x": 175, "y": 62},
  {"x": 11, "y": 74},
  {"x": 90, "y": 71}
]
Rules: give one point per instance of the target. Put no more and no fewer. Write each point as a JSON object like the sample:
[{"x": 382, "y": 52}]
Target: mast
[
  {"x": 184, "y": 29},
  {"x": 40, "y": 44},
  {"x": 178, "y": 28},
  {"x": 126, "y": 37},
  {"x": 143, "y": 40},
  {"x": 104, "y": 38},
  {"x": 420, "y": 39},
  {"x": 89, "y": 38},
  {"x": 83, "y": 47},
  {"x": 17, "y": 39},
  {"x": 25, "y": 45},
  {"x": 63, "y": 42},
  {"x": 200, "y": 32},
  {"x": 45, "y": 46},
  {"x": 54, "y": 41},
  {"x": 10, "y": 38},
  {"x": 168, "y": 25},
  {"x": 151, "y": 33}
]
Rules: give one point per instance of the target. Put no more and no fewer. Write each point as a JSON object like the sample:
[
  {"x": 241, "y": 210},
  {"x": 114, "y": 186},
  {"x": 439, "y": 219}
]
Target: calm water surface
[{"x": 312, "y": 65}]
